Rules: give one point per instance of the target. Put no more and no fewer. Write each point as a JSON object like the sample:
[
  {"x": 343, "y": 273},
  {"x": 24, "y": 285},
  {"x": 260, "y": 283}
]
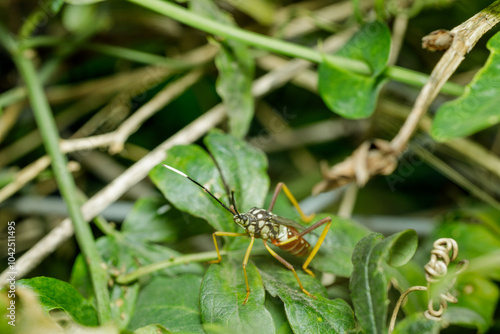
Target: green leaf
[
  {"x": 305, "y": 314},
  {"x": 151, "y": 329},
  {"x": 236, "y": 70},
  {"x": 82, "y": 2},
  {"x": 171, "y": 303},
  {"x": 127, "y": 254},
  {"x": 234, "y": 84},
  {"x": 467, "y": 318},
  {"x": 222, "y": 294},
  {"x": 335, "y": 253},
  {"x": 353, "y": 95},
  {"x": 477, "y": 299},
  {"x": 348, "y": 94},
  {"x": 188, "y": 197},
  {"x": 406, "y": 276},
  {"x": 371, "y": 44},
  {"x": 368, "y": 285},
  {"x": 56, "y": 294},
  {"x": 124, "y": 255},
  {"x": 400, "y": 247},
  {"x": 276, "y": 308},
  {"x": 280, "y": 281},
  {"x": 147, "y": 221},
  {"x": 243, "y": 166},
  {"x": 80, "y": 278},
  {"x": 152, "y": 219},
  {"x": 477, "y": 108},
  {"x": 417, "y": 324},
  {"x": 369, "y": 282}
]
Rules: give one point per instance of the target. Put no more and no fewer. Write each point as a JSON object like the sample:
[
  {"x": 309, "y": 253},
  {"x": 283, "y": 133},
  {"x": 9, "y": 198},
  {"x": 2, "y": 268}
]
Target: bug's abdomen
[{"x": 299, "y": 247}]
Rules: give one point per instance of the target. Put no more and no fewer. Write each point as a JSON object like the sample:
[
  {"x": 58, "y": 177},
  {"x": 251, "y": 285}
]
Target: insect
[{"x": 263, "y": 224}]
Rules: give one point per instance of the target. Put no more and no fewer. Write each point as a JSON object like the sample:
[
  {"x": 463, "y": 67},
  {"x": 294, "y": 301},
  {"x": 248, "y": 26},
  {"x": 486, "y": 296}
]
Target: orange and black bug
[{"x": 265, "y": 225}]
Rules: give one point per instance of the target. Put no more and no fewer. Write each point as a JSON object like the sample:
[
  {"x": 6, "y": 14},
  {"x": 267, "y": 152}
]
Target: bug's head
[{"x": 241, "y": 219}]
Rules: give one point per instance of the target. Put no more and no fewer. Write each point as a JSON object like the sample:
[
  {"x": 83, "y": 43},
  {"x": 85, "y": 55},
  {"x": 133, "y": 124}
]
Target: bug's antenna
[
  {"x": 229, "y": 193},
  {"x": 205, "y": 189},
  {"x": 226, "y": 186},
  {"x": 233, "y": 203}
]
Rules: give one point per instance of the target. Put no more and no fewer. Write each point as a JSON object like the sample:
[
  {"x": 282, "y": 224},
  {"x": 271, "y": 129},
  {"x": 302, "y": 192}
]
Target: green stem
[
  {"x": 106, "y": 228},
  {"x": 50, "y": 137},
  {"x": 282, "y": 47},
  {"x": 197, "y": 257},
  {"x": 267, "y": 43},
  {"x": 99, "y": 221},
  {"x": 142, "y": 271}
]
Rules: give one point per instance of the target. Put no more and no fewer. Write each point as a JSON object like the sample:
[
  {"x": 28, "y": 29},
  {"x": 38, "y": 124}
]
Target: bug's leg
[
  {"x": 328, "y": 222},
  {"x": 223, "y": 234},
  {"x": 292, "y": 199},
  {"x": 289, "y": 266},
  {"x": 245, "y": 261}
]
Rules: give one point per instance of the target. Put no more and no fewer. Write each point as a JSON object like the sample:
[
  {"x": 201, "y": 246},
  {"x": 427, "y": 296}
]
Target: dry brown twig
[
  {"x": 381, "y": 157},
  {"x": 308, "y": 23},
  {"x": 116, "y": 137},
  {"x": 135, "y": 85}
]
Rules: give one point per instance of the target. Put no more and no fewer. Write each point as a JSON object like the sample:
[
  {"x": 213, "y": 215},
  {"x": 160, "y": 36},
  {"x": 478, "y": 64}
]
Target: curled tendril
[{"x": 445, "y": 251}]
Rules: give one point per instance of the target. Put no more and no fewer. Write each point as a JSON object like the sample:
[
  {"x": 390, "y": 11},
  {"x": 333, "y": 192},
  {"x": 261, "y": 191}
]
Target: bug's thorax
[{"x": 261, "y": 223}]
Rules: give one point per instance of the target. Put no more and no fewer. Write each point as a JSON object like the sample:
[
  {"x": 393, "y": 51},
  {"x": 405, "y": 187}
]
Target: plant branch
[
  {"x": 165, "y": 96},
  {"x": 49, "y": 132}
]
